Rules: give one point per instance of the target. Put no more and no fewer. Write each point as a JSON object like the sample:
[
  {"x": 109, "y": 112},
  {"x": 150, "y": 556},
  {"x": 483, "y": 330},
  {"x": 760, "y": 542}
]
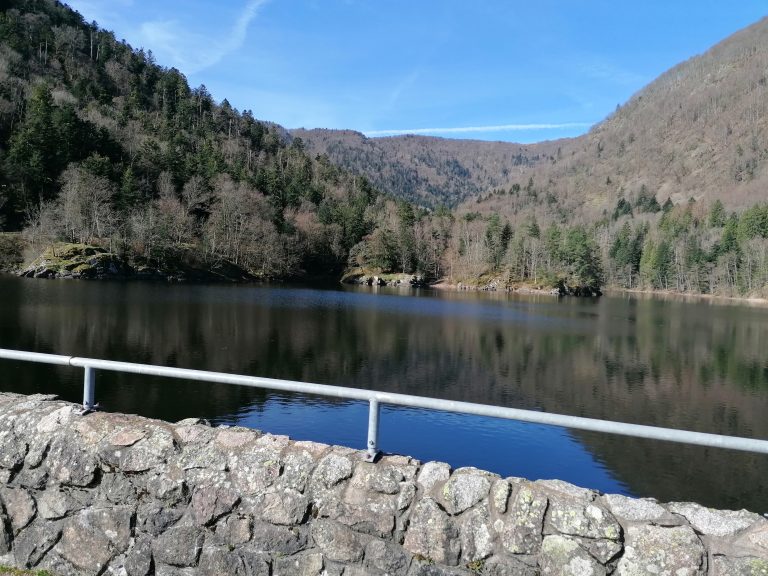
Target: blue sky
[{"x": 485, "y": 69}]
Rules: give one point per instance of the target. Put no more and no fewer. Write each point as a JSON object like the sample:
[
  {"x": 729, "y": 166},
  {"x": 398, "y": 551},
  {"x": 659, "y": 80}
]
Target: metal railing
[{"x": 376, "y": 399}]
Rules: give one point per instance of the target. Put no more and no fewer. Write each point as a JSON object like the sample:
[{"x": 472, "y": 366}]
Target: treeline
[
  {"x": 692, "y": 248},
  {"x": 474, "y": 249}
]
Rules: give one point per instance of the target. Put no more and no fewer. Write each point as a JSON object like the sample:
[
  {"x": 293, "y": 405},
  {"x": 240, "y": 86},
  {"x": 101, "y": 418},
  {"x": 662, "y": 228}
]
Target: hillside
[
  {"x": 427, "y": 170},
  {"x": 101, "y": 145},
  {"x": 699, "y": 131}
]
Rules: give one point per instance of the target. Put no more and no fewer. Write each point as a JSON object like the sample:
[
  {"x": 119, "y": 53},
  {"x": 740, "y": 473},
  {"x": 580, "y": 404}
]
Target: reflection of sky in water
[
  {"x": 506, "y": 447},
  {"x": 411, "y": 303},
  {"x": 547, "y": 313}
]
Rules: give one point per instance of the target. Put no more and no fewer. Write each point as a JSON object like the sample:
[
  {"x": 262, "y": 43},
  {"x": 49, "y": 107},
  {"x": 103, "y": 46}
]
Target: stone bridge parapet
[{"x": 116, "y": 494}]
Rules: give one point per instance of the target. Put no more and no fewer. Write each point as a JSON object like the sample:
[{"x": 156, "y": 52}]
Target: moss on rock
[
  {"x": 65, "y": 260},
  {"x": 68, "y": 260}
]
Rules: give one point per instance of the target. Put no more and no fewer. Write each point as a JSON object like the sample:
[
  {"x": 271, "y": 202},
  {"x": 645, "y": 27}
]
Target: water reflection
[
  {"x": 507, "y": 447},
  {"x": 667, "y": 363}
]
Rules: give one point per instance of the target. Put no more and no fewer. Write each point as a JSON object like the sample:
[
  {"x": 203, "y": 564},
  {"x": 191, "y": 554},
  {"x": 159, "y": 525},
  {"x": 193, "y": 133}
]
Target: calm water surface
[{"x": 697, "y": 366}]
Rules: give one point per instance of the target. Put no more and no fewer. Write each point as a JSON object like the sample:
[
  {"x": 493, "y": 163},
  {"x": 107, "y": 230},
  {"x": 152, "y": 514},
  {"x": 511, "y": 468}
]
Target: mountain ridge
[{"x": 427, "y": 169}]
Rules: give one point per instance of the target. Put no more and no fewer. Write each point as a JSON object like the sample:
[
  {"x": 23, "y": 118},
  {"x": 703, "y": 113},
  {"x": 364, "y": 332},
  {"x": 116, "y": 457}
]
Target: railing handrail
[{"x": 376, "y": 398}]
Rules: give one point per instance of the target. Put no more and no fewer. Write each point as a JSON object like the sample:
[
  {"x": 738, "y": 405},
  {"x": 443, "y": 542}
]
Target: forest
[{"x": 101, "y": 145}]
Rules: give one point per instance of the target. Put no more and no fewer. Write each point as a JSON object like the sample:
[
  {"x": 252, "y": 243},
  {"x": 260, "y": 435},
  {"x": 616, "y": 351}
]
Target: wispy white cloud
[
  {"x": 102, "y": 12},
  {"x": 165, "y": 39},
  {"x": 401, "y": 87},
  {"x": 470, "y": 129},
  {"x": 287, "y": 108},
  {"x": 192, "y": 52},
  {"x": 606, "y": 71}
]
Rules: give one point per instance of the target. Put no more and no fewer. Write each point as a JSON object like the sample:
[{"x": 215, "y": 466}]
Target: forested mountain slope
[
  {"x": 427, "y": 170},
  {"x": 99, "y": 144},
  {"x": 699, "y": 131}
]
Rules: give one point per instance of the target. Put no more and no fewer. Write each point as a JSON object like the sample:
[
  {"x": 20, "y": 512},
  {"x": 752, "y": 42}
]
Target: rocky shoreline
[
  {"x": 560, "y": 290},
  {"x": 363, "y": 277},
  {"x": 79, "y": 261},
  {"x": 393, "y": 280}
]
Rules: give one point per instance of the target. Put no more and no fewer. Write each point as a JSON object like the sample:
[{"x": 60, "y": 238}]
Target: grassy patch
[{"x": 19, "y": 572}]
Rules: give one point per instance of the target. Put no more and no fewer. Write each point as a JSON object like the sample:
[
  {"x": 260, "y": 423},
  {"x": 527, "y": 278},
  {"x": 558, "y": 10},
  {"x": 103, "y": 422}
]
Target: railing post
[
  {"x": 89, "y": 390},
  {"x": 373, "y": 430}
]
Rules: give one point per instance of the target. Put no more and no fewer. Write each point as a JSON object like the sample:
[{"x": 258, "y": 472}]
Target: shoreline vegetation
[
  {"x": 80, "y": 261},
  {"x": 89, "y": 262},
  {"x": 76, "y": 261}
]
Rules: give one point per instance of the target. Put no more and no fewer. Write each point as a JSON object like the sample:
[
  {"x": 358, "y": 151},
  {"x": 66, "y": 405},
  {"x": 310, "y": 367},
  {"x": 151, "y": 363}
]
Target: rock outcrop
[
  {"x": 82, "y": 261},
  {"x": 369, "y": 278},
  {"x": 114, "y": 494}
]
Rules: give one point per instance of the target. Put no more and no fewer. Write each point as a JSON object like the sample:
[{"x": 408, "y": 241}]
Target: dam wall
[{"x": 117, "y": 494}]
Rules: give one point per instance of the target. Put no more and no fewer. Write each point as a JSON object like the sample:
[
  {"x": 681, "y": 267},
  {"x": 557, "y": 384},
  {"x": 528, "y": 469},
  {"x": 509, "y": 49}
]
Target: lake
[{"x": 691, "y": 365}]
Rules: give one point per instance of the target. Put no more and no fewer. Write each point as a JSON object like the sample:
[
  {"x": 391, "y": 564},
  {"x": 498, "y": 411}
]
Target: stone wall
[{"x": 115, "y": 494}]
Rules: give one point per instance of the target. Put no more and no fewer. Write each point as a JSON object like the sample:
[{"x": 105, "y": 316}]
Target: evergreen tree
[
  {"x": 716, "y": 218},
  {"x": 582, "y": 257},
  {"x": 497, "y": 240}
]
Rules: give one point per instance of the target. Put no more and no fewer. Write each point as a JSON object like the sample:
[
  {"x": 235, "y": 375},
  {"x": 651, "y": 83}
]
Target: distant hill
[
  {"x": 699, "y": 131},
  {"x": 425, "y": 169}
]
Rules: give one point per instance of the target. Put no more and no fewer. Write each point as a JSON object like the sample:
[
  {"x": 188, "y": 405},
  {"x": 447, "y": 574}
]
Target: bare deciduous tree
[{"x": 84, "y": 205}]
